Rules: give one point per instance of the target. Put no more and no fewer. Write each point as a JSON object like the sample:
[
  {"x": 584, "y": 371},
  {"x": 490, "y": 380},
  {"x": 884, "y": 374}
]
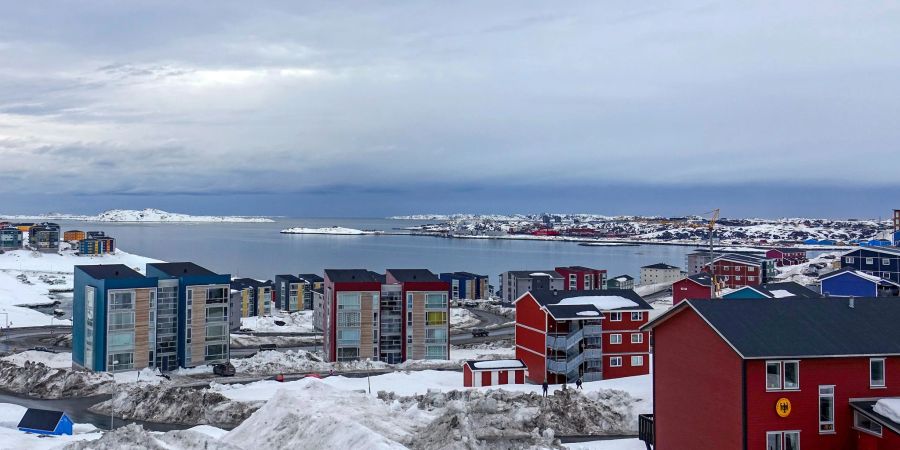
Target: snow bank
[
  {"x": 36, "y": 379},
  {"x": 462, "y": 318},
  {"x": 888, "y": 407},
  {"x": 171, "y": 404},
  {"x": 328, "y": 418},
  {"x": 603, "y": 303},
  {"x": 298, "y": 322},
  {"x": 12, "y": 438},
  {"x": 616, "y": 444},
  {"x": 134, "y": 436},
  {"x": 52, "y": 360},
  {"x": 326, "y": 230}
]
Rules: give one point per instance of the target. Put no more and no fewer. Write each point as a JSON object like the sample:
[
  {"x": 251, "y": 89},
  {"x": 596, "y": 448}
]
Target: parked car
[
  {"x": 267, "y": 347},
  {"x": 470, "y": 304},
  {"x": 224, "y": 369},
  {"x": 479, "y": 332}
]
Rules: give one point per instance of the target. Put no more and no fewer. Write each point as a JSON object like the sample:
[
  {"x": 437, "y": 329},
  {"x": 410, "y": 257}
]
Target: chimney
[{"x": 851, "y": 303}]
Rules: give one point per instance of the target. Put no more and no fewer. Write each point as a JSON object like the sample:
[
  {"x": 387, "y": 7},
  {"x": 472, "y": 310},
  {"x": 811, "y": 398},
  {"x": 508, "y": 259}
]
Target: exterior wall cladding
[
  {"x": 734, "y": 274},
  {"x": 703, "y": 398},
  {"x": 688, "y": 289},
  {"x": 885, "y": 264},
  {"x": 600, "y": 349},
  {"x": 396, "y": 320}
]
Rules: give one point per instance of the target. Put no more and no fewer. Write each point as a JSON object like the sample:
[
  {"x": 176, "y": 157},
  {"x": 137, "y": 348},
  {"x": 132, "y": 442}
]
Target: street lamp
[{"x": 112, "y": 401}]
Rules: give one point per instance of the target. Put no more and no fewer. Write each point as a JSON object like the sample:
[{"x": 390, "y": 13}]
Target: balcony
[
  {"x": 645, "y": 429},
  {"x": 564, "y": 341},
  {"x": 592, "y": 376},
  {"x": 593, "y": 330},
  {"x": 565, "y": 366},
  {"x": 593, "y": 353}
]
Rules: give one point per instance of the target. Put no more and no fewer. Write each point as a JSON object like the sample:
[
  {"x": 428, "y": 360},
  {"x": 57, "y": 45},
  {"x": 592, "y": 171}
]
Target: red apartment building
[
  {"x": 775, "y": 375},
  {"x": 401, "y": 315},
  {"x": 580, "y": 278},
  {"x": 734, "y": 271},
  {"x": 787, "y": 256},
  {"x": 561, "y": 336},
  {"x": 694, "y": 286}
]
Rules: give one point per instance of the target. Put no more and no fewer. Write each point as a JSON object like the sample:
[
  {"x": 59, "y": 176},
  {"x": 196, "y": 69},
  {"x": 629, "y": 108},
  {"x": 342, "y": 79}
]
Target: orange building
[{"x": 73, "y": 235}]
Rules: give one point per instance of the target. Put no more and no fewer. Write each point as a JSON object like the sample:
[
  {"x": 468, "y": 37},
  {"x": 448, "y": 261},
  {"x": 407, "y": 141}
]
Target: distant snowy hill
[{"x": 145, "y": 215}]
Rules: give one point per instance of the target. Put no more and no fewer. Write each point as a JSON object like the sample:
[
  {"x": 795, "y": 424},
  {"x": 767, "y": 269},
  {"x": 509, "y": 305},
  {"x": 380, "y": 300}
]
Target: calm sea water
[{"x": 258, "y": 250}]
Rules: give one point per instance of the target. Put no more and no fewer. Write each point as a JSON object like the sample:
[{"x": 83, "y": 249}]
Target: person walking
[
  {"x": 545, "y": 386},
  {"x": 578, "y": 383}
]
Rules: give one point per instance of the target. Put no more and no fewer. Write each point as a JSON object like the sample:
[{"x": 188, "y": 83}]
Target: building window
[
  {"x": 773, "y": 376},
  {"x": 615, "y": 338},
  {"x": 791, "y": 374},
  {"x": 615, "y": 361},
  {"x": 120, "y": 361},
  {"x": 348, "y": 301},
  {"x": 347, "y": 354},
  {"x": 751, "y": 279},
  {"x": 436, "y": 301},
  {"x": 217, "y": 295},
  {"x": 348, "y": 337},
  {"x": 637, "y": 361},
  {"x": 783, "y": 440},
  {"x": 876, "y": 372},
  {"x": 865, "y": 424},
  {"x": 435, "y": 352},
  {"x": 216, "y": 352},
  {"x": 435, "y": 318},
  {"x": 848, "y": 260},
  {"x": 751, "y": 269},
  {"x": 121, "y": 300},
  {"x": 826, "y": 409},
  {"x": 587, "y": 282},
  {"x": 885, "y": 261},
  {"x": 737, "y": 278},
  {"x": 637, "y": 316},
  {"x": 615, "y": 317},
  {"x": 637, "y": 338},
  {"x": 348, "y": 319},
  {"x": 725, "y": 277}
]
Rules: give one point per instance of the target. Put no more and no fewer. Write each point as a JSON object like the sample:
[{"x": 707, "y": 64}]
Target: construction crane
[{"x": 712, "y": 267}]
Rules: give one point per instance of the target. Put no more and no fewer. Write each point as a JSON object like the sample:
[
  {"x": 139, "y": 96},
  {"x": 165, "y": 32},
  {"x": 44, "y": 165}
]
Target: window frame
[
  {"x": 639, "y": 358},
  {"x": 833, "y": 429},
  {"x": 613, "y": 317},
  {"x": 849, "y": 260},
  {"x": 640, "y": 337},
  {"x": 639, "y": 316},
  {"x": 856, "y": 426},
  {"x": 883, "y": 384},
  {"x": 780, "y": 377},
  {"x": 615, "y": 358},
  {"x": 616, "y": 335},
  {"x": 784, "y": 386}
]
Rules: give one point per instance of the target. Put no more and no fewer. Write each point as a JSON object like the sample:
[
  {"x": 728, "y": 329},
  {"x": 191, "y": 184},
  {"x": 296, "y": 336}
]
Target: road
[
  {"x": 17, "y": 339},
  {"x": 495, "y": 324}
]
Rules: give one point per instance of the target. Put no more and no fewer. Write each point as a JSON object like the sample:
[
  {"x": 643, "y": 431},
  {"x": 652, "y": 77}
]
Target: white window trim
[
  {"x": 640, "y": 357},
  {"x": 640, "y": 337},
  {"x": 780, "y": 377},
  {"x": 883, "y": 373},
  {"x": 848, "y": 260},
  {"x": 615, "y": 358},
  {"x": 856, "y": 415},
  {"x": 613, "y": 315},
  {"x": 618, "y": 337},
  {"x": 833, "y": 410},
  {"x": 638, "y": 314}
]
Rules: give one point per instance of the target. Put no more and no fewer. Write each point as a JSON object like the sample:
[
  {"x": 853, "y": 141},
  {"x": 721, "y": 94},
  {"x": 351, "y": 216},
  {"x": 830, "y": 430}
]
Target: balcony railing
[
  {"x": 593, "y": 330},
  {"x": 592, "y": 376},
  {"x": 565, "y": 341},
  {"x": 565, "y": 366},
  {"x": 645, "y": 429},
  {"x": 593, "y": 353}
]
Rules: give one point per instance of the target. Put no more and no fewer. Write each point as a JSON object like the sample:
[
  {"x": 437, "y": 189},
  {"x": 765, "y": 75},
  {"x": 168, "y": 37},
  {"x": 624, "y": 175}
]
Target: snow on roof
[
  {"x": 888, "y": 407},
  {"x": 781, "y": 293},
  {"x": 621, "y": 279},
  {"x": 588, "y": 313},
  {"x": 498, "y": 364},
  {"x": 539, "y": 274},
  {"x": 604, "y": 302}
]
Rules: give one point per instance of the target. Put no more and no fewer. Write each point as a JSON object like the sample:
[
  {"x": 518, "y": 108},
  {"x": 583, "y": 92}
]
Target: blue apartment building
[
  {"x": 883, "y": 262},
  {"x": 466, "y": 285}
]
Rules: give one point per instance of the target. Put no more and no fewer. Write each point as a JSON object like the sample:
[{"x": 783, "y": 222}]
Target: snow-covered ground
[
  {"x": 800, "y": 273},
  {"x": 54, "y": 360},
  {"x": 27, "y": 277},
  {"x": 144, "y": 215},
  {"x": 326, "y": 230},
  {"x": 298, "y": 322},
  {"x": 462, "y": 318},
  {"x": 618, "y": 444}
]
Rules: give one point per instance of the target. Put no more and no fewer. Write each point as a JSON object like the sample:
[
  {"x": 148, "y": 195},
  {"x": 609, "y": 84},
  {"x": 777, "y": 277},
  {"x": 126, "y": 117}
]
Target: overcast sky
[{"x": 376, "y": 108}]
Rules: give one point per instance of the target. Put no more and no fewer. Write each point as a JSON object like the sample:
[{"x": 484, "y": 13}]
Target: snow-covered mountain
[{"x": 144, "y": 215}]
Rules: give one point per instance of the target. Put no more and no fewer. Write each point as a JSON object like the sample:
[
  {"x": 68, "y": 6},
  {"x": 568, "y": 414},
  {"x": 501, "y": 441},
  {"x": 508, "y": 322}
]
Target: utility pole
[{"x": 712, "y": 255}]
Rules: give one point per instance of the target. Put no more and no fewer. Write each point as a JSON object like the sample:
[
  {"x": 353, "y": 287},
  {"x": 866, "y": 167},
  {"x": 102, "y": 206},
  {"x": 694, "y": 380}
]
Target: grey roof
[
  {"x": 802, "y": 327},
  {"x": 891, "y": 250},
  {"x": 570, "y": 312},
  {"x": 40, "y": 419},
  {"x": 796, "y": 289},
  {"x": 310, "y": 277},
  {"x": 547, "y": 297},
  {"x": 110, "y": 271},
  {"x": 867, "y": 407},
  {"x": 659, "y": 266},
  {"x": 288, "y": 277},
  {"x": 702, "y": 279},
  {"x": 351, "y": 276},
  {"x": 789, "y": 249},
  {"x": 626, "y": 277},
  {"x": 469, "y": 274},
  {"x": 527, "y": 273},
  {"x": 243, "y": 283},
  {"x": 408, "y": 275},
  {"x": 748, "y": 259},
  {"x": 179, "y": 269}
]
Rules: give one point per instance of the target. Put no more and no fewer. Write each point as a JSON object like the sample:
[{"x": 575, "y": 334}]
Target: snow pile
[
  {"x": 328, "y": 418},
  {"x": 134, "y": 436},
  {"x": 292, "y": 361},
  {"x": 36, "y": 379},
  {"x": 781, "y": 293},
  {"x": 298, "y": 322},
  {"x": 326, "y": 230},
  {"x": 172, "y": 404},
  {"x": 496, "y": 418},
  {"x": 601, "y": 302},
  {"x": 462, "y": 318},
  {"x": 145, "y": 215},
  {"x": 12, "y": 438},
  {"x": 52, "y": 360},
  {"x": 250, "y": 341},
  {"x": 587, "y": 313},
  {"x": 888, "y": 407}
]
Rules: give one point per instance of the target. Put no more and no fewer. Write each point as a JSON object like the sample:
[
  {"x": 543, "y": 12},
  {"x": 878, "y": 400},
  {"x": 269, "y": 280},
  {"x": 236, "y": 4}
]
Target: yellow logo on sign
[{"x": 783, "y": 407}]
